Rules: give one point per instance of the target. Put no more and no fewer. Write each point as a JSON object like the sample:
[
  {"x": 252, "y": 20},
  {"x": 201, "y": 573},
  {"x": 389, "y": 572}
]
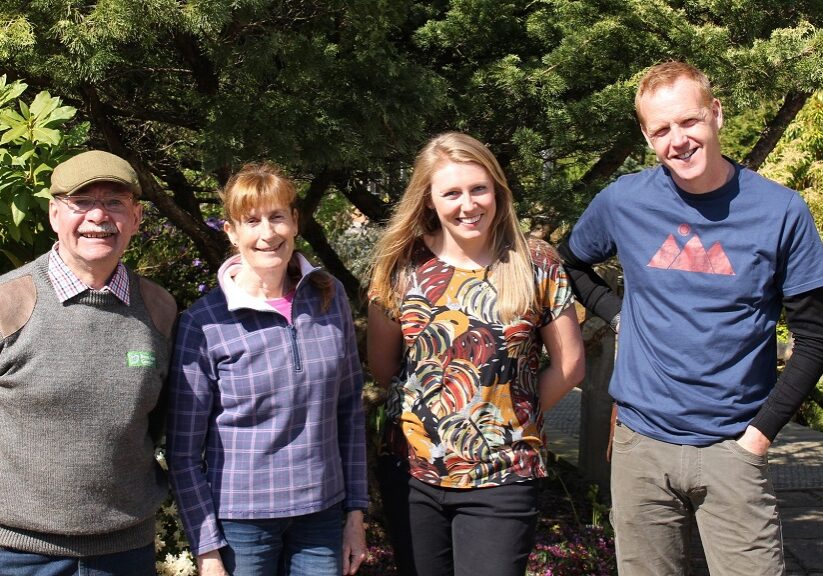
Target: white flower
[{"x": 180, "y": 565}]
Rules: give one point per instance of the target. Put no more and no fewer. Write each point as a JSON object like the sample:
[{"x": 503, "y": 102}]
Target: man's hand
[
  {"x": 354, "y": 542},
  {"x": 754, "y": 441},
  {"x": 211, "y": 564}
]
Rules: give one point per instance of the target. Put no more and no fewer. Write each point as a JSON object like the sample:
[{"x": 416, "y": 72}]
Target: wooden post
[{"x": 595, "y": 402}]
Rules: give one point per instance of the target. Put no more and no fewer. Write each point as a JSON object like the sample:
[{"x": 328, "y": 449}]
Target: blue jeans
[
  {"x": 136, "y": 562},
  {"x": 309, "y": 545}
]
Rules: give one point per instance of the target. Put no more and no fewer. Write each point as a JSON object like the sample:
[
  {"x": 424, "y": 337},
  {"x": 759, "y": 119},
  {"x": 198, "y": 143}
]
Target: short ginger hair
[{"x": 666, "y": 74}]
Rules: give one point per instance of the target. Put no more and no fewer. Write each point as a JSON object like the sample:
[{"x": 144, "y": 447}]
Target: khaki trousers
[{"x": 658, "y": 487}]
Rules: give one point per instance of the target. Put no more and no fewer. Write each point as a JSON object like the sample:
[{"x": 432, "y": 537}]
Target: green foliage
[
  {"x": 343, "y": 92},
  {"x": 782, "y": 331},
  {"x": 811, "y": 411},
  {"x": 17, "y": 35},
  {"x": 327, "y": 89},
  {"x": 171, "y": 547},
  {"x": 797, "y": 160},
  {"x": 166, "y": 255},
  {"x": 600, "y": 511},
  {"x": 351, "y": 235},
  {"x": 31, "y": 145},
  {"x": 742, "y": 128},
  {"x": 549, "y": 84}
]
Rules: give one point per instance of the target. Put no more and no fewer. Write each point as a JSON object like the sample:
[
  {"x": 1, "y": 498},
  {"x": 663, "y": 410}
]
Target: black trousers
[{"x": 457, "y": 532}]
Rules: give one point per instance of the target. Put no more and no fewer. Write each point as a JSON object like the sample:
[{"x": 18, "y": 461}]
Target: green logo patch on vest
[{"x": 137, "y": 359}]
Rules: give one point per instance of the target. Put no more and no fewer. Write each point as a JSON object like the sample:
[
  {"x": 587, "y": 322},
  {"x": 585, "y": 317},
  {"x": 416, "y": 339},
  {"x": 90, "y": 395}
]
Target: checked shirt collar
[{"x": 68, "y": 285}]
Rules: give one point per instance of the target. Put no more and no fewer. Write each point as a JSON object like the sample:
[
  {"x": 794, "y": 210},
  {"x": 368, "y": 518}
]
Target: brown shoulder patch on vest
[
  {"x": 17, "y": 299},
  {"x": 161, "y": 306}
]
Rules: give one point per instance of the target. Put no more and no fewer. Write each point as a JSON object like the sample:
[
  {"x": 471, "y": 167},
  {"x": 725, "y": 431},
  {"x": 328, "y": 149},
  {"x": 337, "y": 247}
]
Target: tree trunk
[
  {"x": 774, "y": 130},
  {"x": 606, "y": 165},
  {"x": 313, "y": 233},
  {"x": 213, "y": 246}
]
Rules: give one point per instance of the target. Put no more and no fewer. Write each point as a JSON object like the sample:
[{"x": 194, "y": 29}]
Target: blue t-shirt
[{"x": 704, "y": 279}]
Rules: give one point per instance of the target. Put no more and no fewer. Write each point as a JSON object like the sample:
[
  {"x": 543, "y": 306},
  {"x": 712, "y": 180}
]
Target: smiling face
[
  {"x": 92, "y": 243},
  {"x": 683, "y": 130},
  {"x": 264, "y": 237},
  {"x": 462, "y": 195}
]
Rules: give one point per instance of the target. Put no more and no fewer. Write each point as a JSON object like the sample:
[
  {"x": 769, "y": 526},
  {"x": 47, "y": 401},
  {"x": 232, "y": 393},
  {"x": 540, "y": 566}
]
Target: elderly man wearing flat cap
[{"x": 84, "y": 351}]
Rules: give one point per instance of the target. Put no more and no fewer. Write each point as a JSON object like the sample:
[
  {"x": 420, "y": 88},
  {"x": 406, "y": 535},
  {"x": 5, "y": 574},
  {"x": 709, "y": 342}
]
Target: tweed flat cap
[{"x": 93, "y": 166}]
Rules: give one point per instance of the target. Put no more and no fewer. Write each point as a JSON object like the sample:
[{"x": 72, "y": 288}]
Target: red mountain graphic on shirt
[{"x": 693, "y": 257}]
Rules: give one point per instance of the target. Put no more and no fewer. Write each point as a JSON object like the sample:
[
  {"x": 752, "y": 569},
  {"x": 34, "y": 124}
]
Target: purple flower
[
  {"x": 214, "y": 222},
  {"x": 201, "y": 288}
]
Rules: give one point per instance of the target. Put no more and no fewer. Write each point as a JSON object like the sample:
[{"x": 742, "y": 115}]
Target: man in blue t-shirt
[{"x": 711, "y": 253}]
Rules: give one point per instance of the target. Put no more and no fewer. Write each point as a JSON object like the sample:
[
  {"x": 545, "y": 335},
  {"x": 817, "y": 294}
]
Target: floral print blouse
[{"x": 464, "y": 409}]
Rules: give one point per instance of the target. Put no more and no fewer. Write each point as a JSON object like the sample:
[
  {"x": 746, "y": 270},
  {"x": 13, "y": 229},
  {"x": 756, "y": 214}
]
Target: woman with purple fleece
[{"x": 266, "y": 441}]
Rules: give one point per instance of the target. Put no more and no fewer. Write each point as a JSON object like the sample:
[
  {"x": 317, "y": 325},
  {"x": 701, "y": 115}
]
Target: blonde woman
[
  {"x": 461, "y": 305},
  {"x": 266, "y": 443}
]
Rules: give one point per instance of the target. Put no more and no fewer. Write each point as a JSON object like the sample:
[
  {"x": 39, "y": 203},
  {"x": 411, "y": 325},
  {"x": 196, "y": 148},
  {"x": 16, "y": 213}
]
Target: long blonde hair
[
  {"x": 511, "y": 271},
  {"x": 264, "y": 184}
]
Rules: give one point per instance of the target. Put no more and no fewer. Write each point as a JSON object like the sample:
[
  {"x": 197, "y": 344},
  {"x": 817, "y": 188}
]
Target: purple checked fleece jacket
[{"x": 266, "y": 417}]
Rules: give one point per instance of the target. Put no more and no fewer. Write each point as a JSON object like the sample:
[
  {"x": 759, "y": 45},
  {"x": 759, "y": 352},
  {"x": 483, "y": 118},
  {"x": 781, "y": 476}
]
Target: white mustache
[{"x": 106, "y": 228}]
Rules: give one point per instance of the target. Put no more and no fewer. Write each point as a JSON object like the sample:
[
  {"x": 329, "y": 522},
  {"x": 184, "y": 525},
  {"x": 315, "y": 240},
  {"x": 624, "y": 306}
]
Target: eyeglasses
[{"x": 82, "y": 204}]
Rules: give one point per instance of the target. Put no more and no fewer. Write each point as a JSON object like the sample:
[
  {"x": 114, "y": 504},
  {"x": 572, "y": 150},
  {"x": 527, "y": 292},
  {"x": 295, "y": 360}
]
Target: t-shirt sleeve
[
  {"x": 554, "y": 290},
  {"x": 801, "y": 251},
  {"x": 591, "y": 239}
]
